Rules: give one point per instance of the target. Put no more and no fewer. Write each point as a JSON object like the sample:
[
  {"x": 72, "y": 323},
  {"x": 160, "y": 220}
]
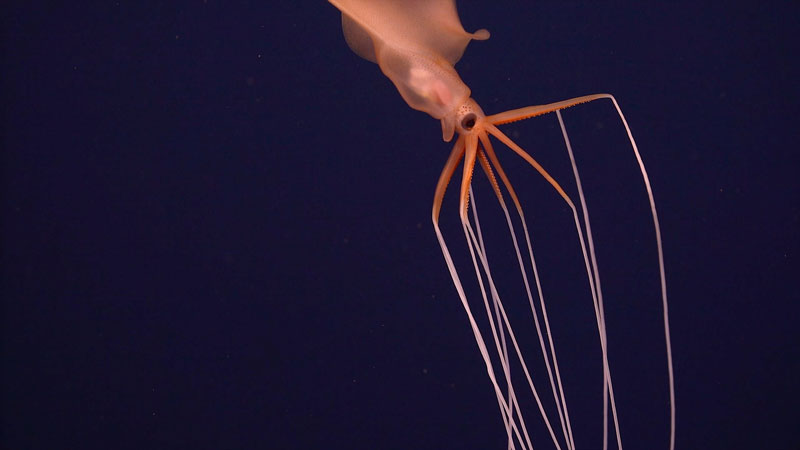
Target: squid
[{"x": 416, "y": 44}]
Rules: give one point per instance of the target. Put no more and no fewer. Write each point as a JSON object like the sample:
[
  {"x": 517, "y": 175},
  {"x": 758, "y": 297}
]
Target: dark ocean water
[{"x": 216, "y": 225}]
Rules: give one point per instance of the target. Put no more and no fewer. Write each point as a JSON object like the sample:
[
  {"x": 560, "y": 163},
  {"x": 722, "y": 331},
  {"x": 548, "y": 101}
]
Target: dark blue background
[{"x": 216, "y": 222}]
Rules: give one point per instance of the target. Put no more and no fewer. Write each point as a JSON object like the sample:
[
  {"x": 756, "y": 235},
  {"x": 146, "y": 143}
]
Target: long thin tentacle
[{"x": 662, "y": 271}]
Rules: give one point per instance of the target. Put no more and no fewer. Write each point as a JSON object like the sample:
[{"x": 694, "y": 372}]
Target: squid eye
[{"x": 468, "y": 121}]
